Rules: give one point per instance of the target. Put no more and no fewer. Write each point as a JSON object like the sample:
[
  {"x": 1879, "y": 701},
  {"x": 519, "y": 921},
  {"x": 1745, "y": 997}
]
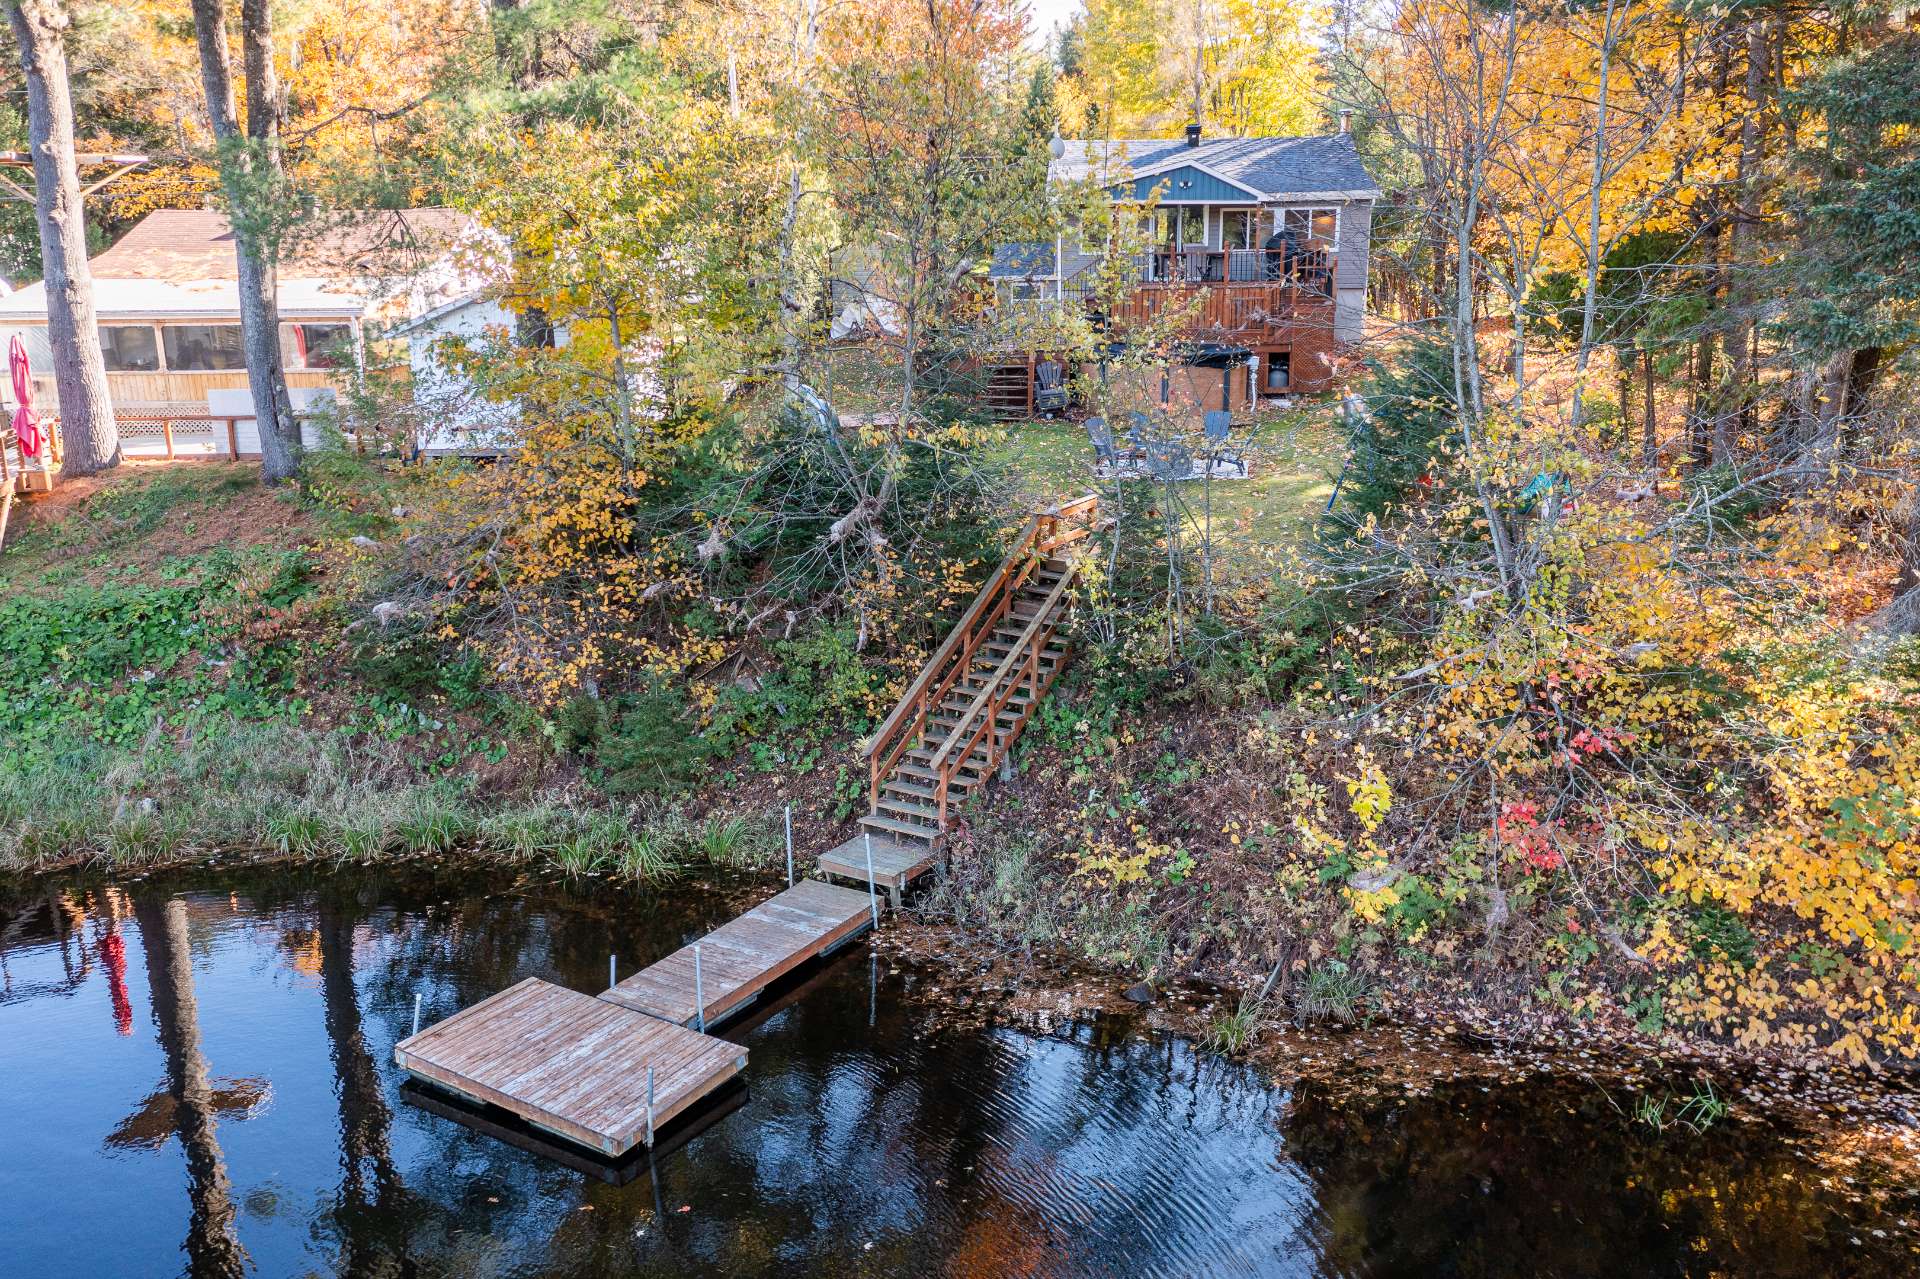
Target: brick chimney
[{"x": 1346, "y": 119}]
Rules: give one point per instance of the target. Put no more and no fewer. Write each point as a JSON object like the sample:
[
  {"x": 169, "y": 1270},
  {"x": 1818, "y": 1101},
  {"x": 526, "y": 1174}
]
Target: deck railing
[{"x": 1305, "y": 268}]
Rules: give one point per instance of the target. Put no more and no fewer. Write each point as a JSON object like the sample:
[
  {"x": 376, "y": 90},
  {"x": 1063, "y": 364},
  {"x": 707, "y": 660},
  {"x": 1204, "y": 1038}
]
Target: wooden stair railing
[
  {"x": 995, "y": 694},
  {"x": 957, "y": 667}
]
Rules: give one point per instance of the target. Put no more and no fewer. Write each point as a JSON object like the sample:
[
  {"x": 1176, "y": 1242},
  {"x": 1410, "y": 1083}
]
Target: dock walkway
[
  {"x": 572, "y": 1064},
  {"x": 739, "y": 960}
]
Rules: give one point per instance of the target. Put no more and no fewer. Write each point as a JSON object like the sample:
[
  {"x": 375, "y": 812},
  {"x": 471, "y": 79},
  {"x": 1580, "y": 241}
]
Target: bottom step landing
[{"x": 895, "y": 864}]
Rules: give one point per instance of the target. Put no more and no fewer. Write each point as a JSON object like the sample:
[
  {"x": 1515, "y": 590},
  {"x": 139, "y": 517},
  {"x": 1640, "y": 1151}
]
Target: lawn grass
[{"x": 1293, "y": 458}]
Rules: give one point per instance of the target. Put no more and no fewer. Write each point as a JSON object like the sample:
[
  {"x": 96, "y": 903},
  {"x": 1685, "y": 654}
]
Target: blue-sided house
[{"x": 1272, "y": 233}]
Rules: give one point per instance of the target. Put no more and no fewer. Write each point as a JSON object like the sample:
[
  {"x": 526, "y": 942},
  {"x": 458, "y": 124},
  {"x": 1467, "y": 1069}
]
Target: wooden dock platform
[
  {"x": 740, "y": 959},
  {"x": 894, "y": 865},
  {"x": 571, "y": 1064}
]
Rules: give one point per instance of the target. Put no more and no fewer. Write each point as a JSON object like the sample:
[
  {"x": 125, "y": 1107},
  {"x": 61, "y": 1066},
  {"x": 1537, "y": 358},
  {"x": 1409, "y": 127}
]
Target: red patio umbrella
[{"x": 26, "y": 426}]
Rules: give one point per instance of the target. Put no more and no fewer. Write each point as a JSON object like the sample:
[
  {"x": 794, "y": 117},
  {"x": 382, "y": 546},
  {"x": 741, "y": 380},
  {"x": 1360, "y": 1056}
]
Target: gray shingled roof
[
  {"x": 1275, "y": 167},
  {"x": 1021, "y": 259}
]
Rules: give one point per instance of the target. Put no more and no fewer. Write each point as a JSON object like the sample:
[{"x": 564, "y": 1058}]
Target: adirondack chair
[
  {"x": 1050, "y": 390},
  {"x": 1170, "y": 461},
  {"x": 1115, "y": 459}
]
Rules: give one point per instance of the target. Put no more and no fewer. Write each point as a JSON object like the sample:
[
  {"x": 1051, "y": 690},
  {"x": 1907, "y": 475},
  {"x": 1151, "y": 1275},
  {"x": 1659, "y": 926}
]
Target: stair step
[
  {"x": 1052, "y": 649},
  {"x": 927, "y": 834},
  {"x": 911, "y": 790},
  {"x": 961, "y": 703},
  {"x": 1003, "y": 725},
  {"x": 974, "y": 763},
  {"x": 907, "y": 810},
  {"x": 923, "y": 774}
]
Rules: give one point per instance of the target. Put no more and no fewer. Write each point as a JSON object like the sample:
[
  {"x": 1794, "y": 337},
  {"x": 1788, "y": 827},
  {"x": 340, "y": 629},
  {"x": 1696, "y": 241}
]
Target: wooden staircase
[
  {"x": 1008, "y": 388},
  {"x": 962, "y": 713}
]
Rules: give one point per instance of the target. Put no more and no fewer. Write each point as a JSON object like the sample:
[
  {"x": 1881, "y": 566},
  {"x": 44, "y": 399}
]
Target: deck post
[
  {"x": 873, "y": 895},
  {"x": 416, "y": 1012},
  {"x": 613, "y": 970},
  {"x": 649, "y": 1107},
  {"x": 699, "y": 990},
  {"x": 789, "y": 845}
]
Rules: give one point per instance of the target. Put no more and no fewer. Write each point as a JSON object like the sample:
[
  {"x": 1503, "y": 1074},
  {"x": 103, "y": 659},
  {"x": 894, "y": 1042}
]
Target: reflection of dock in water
[
  {"x": 503, "y": 1125},
  {"x": 609, "y": 1072}
]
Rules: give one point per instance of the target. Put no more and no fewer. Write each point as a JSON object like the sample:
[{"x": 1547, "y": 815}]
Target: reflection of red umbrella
[
  {"x": 113, "y": 953},
  {"x": 26, "y": 427}
]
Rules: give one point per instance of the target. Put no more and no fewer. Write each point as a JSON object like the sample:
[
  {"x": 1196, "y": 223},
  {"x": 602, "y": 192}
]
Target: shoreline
[{"x": 1038, "y": 989}]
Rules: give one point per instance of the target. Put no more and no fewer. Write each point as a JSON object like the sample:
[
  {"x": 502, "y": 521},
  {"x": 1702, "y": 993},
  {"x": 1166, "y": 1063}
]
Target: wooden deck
[
  {"x": 894, "y": 865},
  {"x": 741, "y": 959},
  {"x": 571, "y": 1064}
]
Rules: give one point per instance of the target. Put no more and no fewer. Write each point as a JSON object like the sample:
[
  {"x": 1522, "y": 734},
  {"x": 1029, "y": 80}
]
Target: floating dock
[
  {"x": 571, "y": 1064},
  {"x": 608, "y": 1071}
]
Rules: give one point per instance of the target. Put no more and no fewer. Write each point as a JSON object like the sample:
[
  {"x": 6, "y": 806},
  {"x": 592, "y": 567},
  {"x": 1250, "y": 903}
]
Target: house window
[
  {"x": 1179, "y": 236},
  {"x": 1033, "y": 289},
  {"x": 1238, "y": 230},
  {"x": 1240, "y": 241},
  {"x": 1279, "y": 371},
  {"x": 316, "y": 346},
  {"x": 1320, "y": 227},
  {"x": 129, "y": 348},
  {"x": 203, "y": 348}
]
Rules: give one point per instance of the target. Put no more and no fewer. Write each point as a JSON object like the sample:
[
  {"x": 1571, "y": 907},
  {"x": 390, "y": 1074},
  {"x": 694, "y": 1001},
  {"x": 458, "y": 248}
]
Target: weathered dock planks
[
  {"x": 571, "y": 1064},
  {"x": 740, "y": 959},
  {"x": 894, "y": 865}
]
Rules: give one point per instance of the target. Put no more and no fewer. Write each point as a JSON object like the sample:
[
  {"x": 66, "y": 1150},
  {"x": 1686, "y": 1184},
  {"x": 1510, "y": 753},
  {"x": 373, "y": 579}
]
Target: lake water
[{"x": 196, "y": 1077}]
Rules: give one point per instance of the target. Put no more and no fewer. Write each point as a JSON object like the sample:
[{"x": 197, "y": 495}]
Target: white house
[
  {"x": 455, "y": 414},
  {"x": 169, "y": 314}
]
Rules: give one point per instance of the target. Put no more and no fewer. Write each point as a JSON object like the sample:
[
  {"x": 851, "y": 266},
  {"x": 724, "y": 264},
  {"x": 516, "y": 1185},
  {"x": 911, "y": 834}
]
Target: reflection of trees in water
[
  {"x": 212, "y": 1247},
  {"x": 1544, "y": 1176},
  {"x": 365, "y": 1213}
]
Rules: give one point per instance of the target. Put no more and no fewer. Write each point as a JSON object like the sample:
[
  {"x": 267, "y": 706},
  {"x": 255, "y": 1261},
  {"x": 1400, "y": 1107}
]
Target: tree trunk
[
  {"x": 253, "y": 252},
  {"x": 1737, "y": 409},
  {"x": 89, "y": 433},
  {"x": 1623, "y": 371},
  {"x": 1649, "y": 430}
]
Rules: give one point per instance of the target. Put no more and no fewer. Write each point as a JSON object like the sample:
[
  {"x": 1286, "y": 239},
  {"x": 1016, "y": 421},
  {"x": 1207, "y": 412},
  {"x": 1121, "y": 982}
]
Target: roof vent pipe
[
  {"x": 1346, "y": 119},
  {"x": 1193, "y": 135}
]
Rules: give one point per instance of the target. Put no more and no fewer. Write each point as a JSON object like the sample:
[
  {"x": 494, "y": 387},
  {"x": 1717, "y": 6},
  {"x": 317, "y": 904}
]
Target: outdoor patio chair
[
  {"x": 1050, "y": 391},
  {"x": 1170, "y": 461},
  {"x": 1219, "y": 429},
  {"x": 1102, "y": 439}
]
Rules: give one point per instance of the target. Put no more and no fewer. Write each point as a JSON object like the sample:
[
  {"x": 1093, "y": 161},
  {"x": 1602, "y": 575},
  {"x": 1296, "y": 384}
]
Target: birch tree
[{"x": 88, "y": 430}]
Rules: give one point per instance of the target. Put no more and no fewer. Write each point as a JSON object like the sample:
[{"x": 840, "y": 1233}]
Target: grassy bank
[{"x": 284, "y": 790}]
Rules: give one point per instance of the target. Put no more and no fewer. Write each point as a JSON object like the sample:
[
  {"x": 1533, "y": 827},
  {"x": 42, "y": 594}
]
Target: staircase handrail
[
  {"x": 999, "y": 673},
  {"x": 942, "y": 655},
  {"x": 999, "y": 583}
]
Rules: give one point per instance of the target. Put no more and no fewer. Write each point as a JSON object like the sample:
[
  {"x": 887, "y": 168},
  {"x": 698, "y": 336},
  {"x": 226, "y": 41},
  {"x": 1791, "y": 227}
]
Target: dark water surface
[{"x": 196, "y": 1077}]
